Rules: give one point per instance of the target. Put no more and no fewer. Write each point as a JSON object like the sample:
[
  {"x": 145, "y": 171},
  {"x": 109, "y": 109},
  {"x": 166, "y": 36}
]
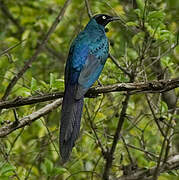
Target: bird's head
[{"x": 104, "y": 19}]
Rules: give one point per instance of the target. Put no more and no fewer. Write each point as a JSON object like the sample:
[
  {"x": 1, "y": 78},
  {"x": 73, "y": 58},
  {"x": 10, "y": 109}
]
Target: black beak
[{"x": 114, "y": 18}]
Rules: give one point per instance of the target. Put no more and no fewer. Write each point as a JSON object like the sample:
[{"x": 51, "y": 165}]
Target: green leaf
[
  {"x": 4, "y": 178},
  {"x": 164, "y": 107},
  {"x": 44, "y": 84},
  {"x": 43, "y": 168},
  {"x": 159, "y": 15},
  {"x": 140, "y": 4},
  {"x": 166, "y": 35},
  {"x": 33, "y": 86},
  {"x": 52, "y": 80},
  {"x": 56, "y": 83},
  {"x": 138, "y": 12},
  {"x": 58, "y": 171},
  {"x": 132, "y": 54},
  {"x": 132, "y": 24},
  {"x": 138, "y": 38},
  {"x": 152, "y": 164},
  {"x": 7, "y": 170},
  {"x": 166, "y": 61},
  {"x": 49, "y": 169},
  {"x": 26, "y": 34},
  {"x": 48, "y": 166},
  {"x": 174, "y": 173}
]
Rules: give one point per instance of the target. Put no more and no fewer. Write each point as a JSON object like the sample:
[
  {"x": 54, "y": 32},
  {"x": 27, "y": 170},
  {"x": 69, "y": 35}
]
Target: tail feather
[{"x": 70, "y": 122}]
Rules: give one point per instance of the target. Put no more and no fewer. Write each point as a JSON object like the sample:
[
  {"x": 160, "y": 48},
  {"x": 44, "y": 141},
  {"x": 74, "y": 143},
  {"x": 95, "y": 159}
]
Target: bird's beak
[{"x": 114, "y": 18}]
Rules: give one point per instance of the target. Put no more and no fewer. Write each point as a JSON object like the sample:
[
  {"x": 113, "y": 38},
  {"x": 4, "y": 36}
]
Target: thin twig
[
  {"x": 12, "y": 145},
  {"x": 155, "y": 118},
  {"x": 59, "y": 56},
  {"x": 50, "y": 135},
  {"x": 96, "y": 166},
  {"x": 88, "y": 9},
  {"x": 30, "y": 169},
  {"x": 10, "y": 48},
  {"x": 98, "y": 141},
  {"x": 142, "y": 150},
  {"x": 128, "y": 151},
  {"x": 118, "y": 65}
]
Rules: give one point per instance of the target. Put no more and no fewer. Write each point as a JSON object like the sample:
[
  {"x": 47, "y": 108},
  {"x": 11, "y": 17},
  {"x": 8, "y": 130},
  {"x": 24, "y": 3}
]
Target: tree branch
[
  {"x": 132, "y": 88},
  {"x": 109, "y": 155},
  {"x": 27, "y": 120},
  {"x": 38, "y": 50},
  {"x": 171, "y": 164}
]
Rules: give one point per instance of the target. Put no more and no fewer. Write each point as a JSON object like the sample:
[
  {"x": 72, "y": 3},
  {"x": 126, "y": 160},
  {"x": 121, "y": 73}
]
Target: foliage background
[{"x": 148, "y": 30}]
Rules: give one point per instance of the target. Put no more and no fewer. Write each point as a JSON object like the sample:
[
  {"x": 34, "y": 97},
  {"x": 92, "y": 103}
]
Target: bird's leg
[
  {"x": 99, "y": 83},
  {"x": 16, "y": 122}
]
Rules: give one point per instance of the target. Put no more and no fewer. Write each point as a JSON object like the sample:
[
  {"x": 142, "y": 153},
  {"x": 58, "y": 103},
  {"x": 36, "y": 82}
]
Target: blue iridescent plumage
[{"x": 87, "y": 56}]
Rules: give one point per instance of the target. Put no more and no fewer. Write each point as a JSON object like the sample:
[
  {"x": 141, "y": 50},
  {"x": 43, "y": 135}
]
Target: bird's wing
[
  {"x": 90, "y": 72},
  {"x": 84, "y": 67},
  {"x": 76, "y": 59}
]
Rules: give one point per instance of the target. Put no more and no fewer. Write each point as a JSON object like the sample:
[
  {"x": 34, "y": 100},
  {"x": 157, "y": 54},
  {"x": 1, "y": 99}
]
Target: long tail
[{"x": 70, "y": 122}]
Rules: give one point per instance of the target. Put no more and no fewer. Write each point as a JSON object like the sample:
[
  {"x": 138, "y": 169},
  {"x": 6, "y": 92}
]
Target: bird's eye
[{"x": 103, "y": 17}]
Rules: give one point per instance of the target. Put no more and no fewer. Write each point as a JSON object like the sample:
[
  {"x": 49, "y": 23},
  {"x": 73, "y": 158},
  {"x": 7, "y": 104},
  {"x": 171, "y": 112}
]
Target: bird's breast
[{"x": 100, "y": 48}]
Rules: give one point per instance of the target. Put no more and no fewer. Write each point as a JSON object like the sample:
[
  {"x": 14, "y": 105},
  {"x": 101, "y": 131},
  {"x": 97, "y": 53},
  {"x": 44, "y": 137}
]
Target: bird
[{"x": 86, "y": 59}]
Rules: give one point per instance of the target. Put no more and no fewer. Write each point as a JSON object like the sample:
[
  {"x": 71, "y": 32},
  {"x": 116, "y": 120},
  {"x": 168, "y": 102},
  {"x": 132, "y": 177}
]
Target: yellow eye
[{"x": 103, "y": 17}]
